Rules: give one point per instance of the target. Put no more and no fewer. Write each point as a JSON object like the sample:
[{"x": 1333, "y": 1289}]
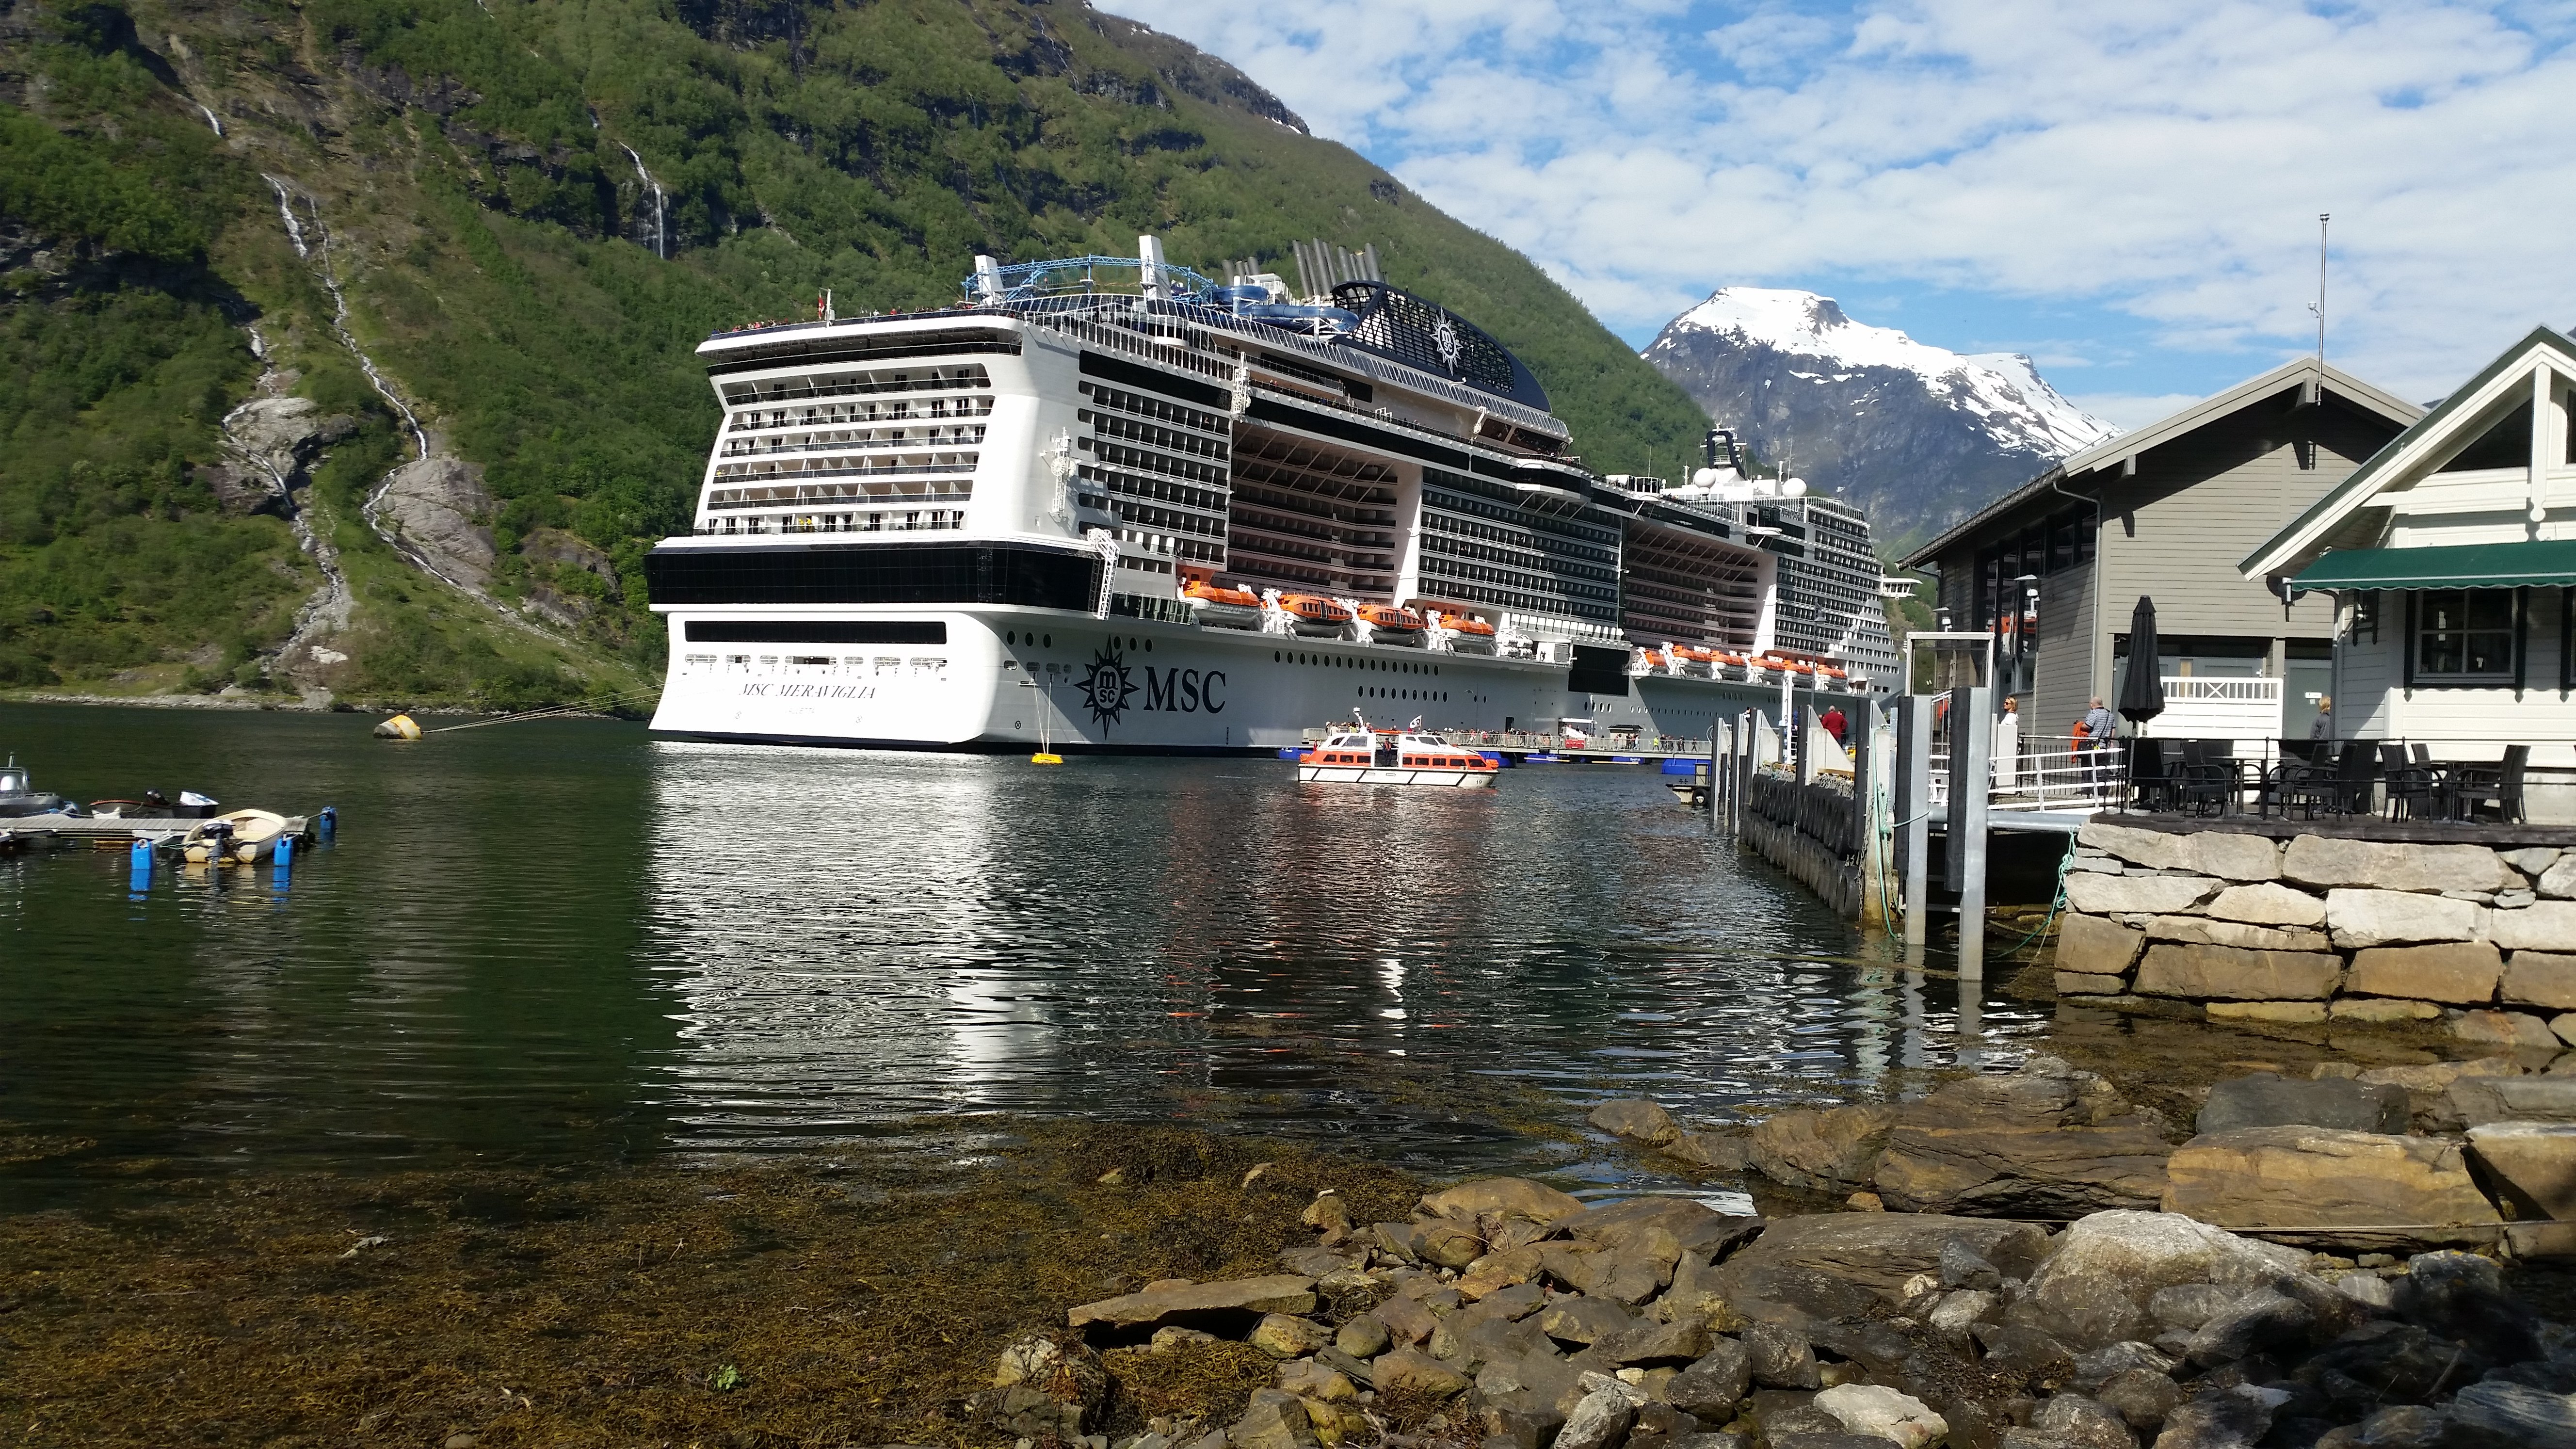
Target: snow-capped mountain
[{"x": 1918, "y": 435}]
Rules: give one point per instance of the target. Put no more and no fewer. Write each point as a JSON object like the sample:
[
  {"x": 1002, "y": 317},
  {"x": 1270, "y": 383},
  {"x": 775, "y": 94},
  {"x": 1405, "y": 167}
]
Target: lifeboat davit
[
  {"x": 1391, "y": 624},
  {"x": 1315, "y": 616},
  {"x": 1217, "y": 607}
]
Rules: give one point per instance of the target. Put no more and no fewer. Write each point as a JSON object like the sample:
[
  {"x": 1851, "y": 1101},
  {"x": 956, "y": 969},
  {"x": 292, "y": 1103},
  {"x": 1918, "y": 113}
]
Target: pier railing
[{"x": 2047, "y": 773}]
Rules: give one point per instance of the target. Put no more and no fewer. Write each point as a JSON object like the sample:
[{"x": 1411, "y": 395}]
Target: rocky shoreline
[{"x": 2068, "y": 1279}]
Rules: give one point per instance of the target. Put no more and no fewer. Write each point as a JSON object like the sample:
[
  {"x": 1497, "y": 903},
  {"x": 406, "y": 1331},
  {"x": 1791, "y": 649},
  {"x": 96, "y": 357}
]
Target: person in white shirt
[{"x": 2008, "y": 742}]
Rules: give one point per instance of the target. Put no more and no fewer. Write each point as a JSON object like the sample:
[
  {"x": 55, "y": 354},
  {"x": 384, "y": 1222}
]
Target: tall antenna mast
[{"x": 2323, "y": 217}]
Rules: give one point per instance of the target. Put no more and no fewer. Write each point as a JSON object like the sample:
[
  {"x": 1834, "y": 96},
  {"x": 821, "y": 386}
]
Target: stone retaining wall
[
  {"x": 2326, "y": 929},
  {"x": 1812, "y": 832}
]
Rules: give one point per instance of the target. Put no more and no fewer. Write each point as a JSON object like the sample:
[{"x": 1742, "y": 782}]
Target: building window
[
  {"x": 2365, "y": 617},
  {"x": 2463, "y": 634}
]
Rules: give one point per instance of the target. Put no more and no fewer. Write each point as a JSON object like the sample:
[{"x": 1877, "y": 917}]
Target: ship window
[
  {"x": 1050, "y": 642},
  {"x": 1011, "y": 638}
]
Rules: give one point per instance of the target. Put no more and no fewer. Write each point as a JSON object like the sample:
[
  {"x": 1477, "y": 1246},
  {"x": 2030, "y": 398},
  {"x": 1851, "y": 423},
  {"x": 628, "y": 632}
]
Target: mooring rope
[{"x": 596, "y": 705}]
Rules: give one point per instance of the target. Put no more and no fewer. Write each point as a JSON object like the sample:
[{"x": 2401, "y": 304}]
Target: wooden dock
[{"x": 55, "y": 831}]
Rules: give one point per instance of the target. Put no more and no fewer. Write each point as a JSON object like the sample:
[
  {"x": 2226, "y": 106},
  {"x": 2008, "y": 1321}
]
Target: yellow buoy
[
  {"x": 1043, "y": 758},
  {"x": 400, "y": 727}
]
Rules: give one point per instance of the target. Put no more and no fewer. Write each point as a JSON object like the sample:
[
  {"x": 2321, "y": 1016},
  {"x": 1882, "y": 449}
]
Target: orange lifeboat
[
  {"x": 1215, "y": 606},
  {"x": 1466, "y": 634},
  {"x": 1391, "y": 624},
  {"x": 1315, "y": 615},
  {"x": 1216, "y": 593}
]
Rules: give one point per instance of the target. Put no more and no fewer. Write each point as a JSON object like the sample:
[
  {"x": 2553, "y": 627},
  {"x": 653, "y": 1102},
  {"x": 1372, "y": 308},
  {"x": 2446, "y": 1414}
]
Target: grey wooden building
[{"x": 2056, "y": 566}]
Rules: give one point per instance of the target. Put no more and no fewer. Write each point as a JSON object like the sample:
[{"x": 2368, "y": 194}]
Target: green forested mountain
[{"x": 531, "y": 211}]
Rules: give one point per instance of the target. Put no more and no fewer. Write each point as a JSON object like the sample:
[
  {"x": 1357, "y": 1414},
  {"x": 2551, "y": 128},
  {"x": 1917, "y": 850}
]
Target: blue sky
[{"x": 2127, "y": 194}]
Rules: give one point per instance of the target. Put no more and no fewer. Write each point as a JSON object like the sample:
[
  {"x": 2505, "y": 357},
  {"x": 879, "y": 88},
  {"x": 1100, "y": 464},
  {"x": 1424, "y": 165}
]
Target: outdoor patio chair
[
  {"x": 2499, "y": 785},
  {"x": 2303, "y": 785},
  {"x": 2152, "y": 786},
  {"x": 2413, "y": 790},
  {"x": 2204, "y": 787},
  {"x": 2356, "y": 771}
]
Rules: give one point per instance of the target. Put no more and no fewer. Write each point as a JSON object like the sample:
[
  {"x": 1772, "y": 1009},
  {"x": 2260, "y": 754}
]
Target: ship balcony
[
  {"x": 737, "y": 475},
  {"x": 938, "y": 409},
  {"x": 851, "y": 443}
]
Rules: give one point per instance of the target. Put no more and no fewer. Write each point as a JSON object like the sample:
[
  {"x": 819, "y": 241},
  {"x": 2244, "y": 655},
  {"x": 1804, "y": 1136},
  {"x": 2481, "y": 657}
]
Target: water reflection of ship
[{"x": 1147, "y": 938}]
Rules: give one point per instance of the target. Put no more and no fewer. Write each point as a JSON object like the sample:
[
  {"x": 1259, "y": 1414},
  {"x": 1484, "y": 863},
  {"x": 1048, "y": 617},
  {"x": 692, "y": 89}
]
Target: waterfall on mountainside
[
  {"x": 210, "y": 118},
  {"x": 372, "y": 511},
  {"x": 661, "y": 235}
]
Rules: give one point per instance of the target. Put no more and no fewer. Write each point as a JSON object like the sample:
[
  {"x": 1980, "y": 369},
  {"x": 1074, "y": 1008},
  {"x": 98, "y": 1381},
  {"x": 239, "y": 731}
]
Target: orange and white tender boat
[
  {"x": 1360, "y": 755},
  {"x": 1214, "y": 606},
  {"x": 1315, "y": 616}
]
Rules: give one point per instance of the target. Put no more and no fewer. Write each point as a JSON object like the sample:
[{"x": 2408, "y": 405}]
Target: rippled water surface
[{"x": 569, "y": 941}]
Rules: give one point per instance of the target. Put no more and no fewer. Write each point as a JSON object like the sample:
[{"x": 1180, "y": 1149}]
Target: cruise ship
[{"x": 1117, "y": 504}]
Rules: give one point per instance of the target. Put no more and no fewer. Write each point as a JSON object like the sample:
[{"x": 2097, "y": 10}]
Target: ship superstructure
[{"x": 1161, "y": 512}]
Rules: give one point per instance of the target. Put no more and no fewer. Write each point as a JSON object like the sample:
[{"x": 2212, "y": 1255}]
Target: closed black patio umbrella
[{"x": 2142, "y": 696}]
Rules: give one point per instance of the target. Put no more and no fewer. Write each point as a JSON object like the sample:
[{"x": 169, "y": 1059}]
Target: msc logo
[
  {"x": 1107, "y": 688},
  {"x": 1110, "y": 684}
]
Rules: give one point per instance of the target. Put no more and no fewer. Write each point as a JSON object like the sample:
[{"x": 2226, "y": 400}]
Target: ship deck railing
[{"x": 1523, "y": 743}]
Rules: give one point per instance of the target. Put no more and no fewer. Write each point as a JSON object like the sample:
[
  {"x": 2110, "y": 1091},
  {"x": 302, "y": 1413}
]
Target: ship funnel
[
  {"x": 1149, "y": 268},
  {"x": 988, "y": 276}
]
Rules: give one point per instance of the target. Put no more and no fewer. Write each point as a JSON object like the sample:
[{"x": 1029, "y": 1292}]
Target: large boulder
[
  {"x": 1692, "y": 1226},
  {"x": 2266, "y": 1099},
  {"x": 2316, "y": 860},
  {"x": 1828, "y": 1151},
  {"x": 1635, "y": 1118},
  {"x": 1045, "y": 1386},
  {"x": 2475, "y": 1101},
  {"x": 2514, "y": 1416},
  {"x": 2210, "y": 931},
  {"x": 2359, "y": 918},
  {"x": 1232, "y": 1306},
  {"x": 1878, "y": 1250},
  {"x": 2154, "y": 849},
  {"x": 2541, "y": 978},
  {"x": 2095, "y": 894},
  {"x": 2328, "y": 1186},
  {"x": 1274, "y": 1419},
  {"x": 2268, "y": 905},
  {"x": 1885, "y": 1413},
  {"x": 2094, "y": 946},
  {"x": 2046, "y": 1141},
  {"x": 1503, "y": 1197},
  {"x": 2535, "y": 1163},
  {"x": 2461, "y": 972},
  {"x": 2134, "y": 1254},
  {"x": 2542, "y": 926},
  {"x": 2228, "y": 973}
]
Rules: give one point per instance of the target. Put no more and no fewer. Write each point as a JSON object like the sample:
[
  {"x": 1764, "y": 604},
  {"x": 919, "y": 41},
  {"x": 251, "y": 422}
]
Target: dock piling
[
  {"x": 1972, "y": 733},
  {"x": 1913, "y": 824}
]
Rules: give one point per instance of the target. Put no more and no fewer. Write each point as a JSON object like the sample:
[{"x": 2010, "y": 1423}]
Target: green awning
[{"x": 2549, "y": 561}]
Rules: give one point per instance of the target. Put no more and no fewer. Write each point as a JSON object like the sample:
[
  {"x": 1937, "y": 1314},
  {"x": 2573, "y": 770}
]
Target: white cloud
[
  {"x": 2131, "y": 411},
  {"x": 2168, "y": 161}
]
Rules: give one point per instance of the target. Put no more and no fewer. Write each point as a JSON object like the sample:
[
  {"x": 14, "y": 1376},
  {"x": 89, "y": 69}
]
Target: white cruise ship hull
[{"x": 998, "y": 676}]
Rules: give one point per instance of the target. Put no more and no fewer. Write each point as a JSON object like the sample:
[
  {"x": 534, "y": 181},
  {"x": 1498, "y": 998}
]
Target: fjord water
[{"x": 568, "y": 941}]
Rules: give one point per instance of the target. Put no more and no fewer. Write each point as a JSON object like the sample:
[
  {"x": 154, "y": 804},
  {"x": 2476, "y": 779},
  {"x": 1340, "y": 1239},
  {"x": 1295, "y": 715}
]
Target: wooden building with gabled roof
[
  {"x": 2449, "y": 561},
  {"x": 2056, "y": 566}
]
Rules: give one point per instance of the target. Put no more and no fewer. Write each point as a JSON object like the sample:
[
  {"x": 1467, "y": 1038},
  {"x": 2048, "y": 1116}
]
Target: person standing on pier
[{"x": 2101, "y": 735}]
